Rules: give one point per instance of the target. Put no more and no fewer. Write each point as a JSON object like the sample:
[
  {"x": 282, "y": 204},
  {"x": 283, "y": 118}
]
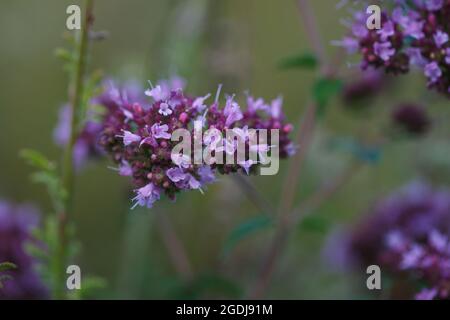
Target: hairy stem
[{"x": 68, "y": 166}]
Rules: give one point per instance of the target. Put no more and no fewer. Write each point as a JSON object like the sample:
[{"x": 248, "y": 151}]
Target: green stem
[{"x": 68, "y": 166}]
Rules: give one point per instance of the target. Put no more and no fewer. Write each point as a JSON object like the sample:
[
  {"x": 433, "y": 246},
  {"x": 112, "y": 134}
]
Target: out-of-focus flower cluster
[
  {"x": 86, "y": 146},
  {"x": 406, "y": 234},
  {"x": 137, "y": 135},
  {"x": 16, "y": 224},
  {"x": 414, "y": 33}
]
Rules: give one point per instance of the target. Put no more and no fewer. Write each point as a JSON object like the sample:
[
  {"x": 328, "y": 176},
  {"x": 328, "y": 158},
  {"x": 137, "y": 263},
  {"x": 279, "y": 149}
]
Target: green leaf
[
  {"x": 64, "y": 55},
  {"x": 37, "y": 160},
  {"x": 52, "y": 181},
  {"x": 47, "y": 175},
  {"x": 324, "y": 90},
  {"x": 315, "y": 224},
  {"x": 301, "y": 61},
  {"x": 245, "y": 229},
  {"x": 5, "y": 266}
]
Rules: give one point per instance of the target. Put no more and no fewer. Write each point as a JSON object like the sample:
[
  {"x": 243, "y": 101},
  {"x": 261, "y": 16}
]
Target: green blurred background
[{"x": 235, "y": 42}]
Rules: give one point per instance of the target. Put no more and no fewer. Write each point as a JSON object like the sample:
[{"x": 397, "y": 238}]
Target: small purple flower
[
  {"x": 175, "y": 83},
  {"x": 160, "y": 131},
  {"x": 192, "y": 182},
  {"x": 176, "y": 174},
  {"x": 146, "y": 196},
  {"x": 416, "y": 58},
  {"x": 433, "y": 72},
  {"x": 384, "y": 50},
  {"x": 447, "y": 57},
  {"x": 427, "y": 294},
  {"x": 291, "y": 149},
  {"x": 125, "y": 169},
  {"x": 246, "y": 165},
  {"x": 164, "y": 109},
  {"x": 181, "y": 160},
  {"x": 440, "y": 38},
  {"x": 438, "y": 241},
  {"x": 206, "y": 175},
  {"x": 414, "y": 29},
  {"x": 129, "y": 138},
  {"x": 434, "y": 5},
  {"x": 360, "y": 30},
  {"x": 411, "y": 257},
  {"x": 199, "y": 103},
  {"x": 387, "y": 31},
  {"x": 348, "y": 43},
  {"x": 255, "y": 104},
  {"x": 157, "y": 93},
  {"x": 275, "y": 108},
  {"x": 232, "y": 112}
]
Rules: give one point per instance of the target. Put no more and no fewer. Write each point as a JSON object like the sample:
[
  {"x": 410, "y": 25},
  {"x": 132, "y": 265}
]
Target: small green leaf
[
  {"x": 324, "y": 90},
  {"x": 245, "y": 229},
  {"x": 55, "y": 190},
  {"x": 37, "y": 160},
  {"x": 301, "y": 61},
  {"x": 5, "y": 266},
  {"x": 64, "y": 54}
]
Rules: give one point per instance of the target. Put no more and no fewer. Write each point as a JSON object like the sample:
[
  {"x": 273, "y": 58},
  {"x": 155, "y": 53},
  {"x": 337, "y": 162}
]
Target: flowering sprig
[
  {"x": 137, "y": 136},
  {"x": 413, "y": 34},
  {"x": 406, "y": 234}
]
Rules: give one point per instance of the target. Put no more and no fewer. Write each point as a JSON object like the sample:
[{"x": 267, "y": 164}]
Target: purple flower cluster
[
  {"x": 407, "y": 234},
  {"x": 16, "y": 223},
  {"x": 137, "y": 136},
  {"x": 414, "y": 33},
  {"x": 86, "y": 146}
]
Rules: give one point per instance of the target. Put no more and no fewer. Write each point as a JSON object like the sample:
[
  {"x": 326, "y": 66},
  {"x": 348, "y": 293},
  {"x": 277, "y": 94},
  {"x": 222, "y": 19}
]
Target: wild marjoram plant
[
  {"x": 58, "y": 230},
  {"x": 137, "y": 133}
]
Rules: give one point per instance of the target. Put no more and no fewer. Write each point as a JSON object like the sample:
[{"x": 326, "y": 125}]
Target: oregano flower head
[
  {"x": 413, "y": 34},
  {"x": 137, "y": 135}
]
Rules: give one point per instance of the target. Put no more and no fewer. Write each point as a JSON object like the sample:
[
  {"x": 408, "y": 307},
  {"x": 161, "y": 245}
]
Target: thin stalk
[
  {"x": 303, "y": 139},
  {"x": 174, "y": 246},
  {"x": 68, "y": 167},
  {"x": 253, "y": 194}
]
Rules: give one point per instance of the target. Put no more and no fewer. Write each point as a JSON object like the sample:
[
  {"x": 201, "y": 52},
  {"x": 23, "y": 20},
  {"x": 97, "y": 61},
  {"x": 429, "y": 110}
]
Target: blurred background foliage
[{"x": 234, "y": 42}]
